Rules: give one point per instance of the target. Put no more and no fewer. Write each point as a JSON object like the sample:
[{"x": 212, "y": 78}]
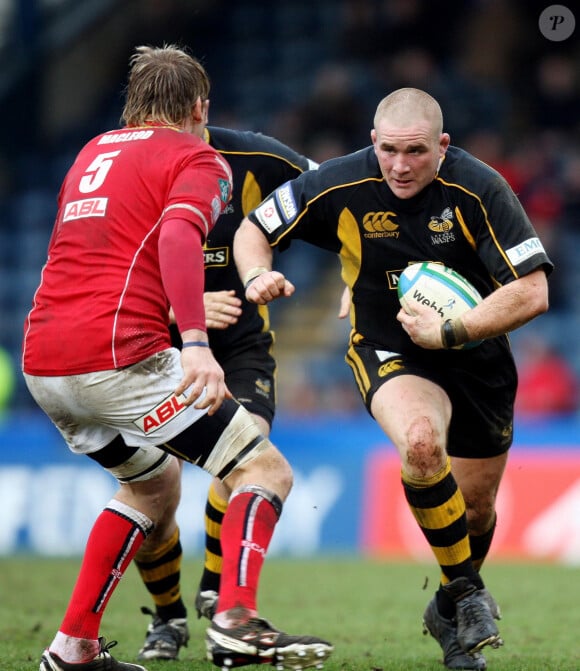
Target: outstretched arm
[{"x": 253, "y": 258}]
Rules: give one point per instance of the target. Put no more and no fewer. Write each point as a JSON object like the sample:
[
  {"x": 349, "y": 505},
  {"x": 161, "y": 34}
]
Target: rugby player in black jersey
[
  {"x": 241, "y": 341},
  {"x": 410, "y": 197}
]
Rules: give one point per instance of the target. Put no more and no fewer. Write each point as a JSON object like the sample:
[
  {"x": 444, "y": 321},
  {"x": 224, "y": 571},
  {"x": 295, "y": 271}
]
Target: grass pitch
[{"x": 370, "y": 610}]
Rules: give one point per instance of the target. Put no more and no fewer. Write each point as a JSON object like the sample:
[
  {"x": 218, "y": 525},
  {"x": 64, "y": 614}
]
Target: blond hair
[
  {"x": 406, "y": 106},
  {"x": 163, "y": 86}
]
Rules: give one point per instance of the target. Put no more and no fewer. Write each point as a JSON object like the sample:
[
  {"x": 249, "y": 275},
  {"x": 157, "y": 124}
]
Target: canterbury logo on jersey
[
  {"x": 390, "y": 367},
  {"x": 160, "y": 414},
  {"x": 380, "y": 225},
  {"x": 216, "y": 257}
]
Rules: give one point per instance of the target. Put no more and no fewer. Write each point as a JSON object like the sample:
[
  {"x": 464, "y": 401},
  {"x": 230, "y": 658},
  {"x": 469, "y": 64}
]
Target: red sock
[
  {"x": 114, "y": 540},
  {"x": 247, "y": 529}
]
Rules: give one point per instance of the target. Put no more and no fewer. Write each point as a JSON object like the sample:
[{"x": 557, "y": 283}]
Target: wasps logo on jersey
[
  {"x": 442, "y": 226},
  {"x": 443, "y": 223}
]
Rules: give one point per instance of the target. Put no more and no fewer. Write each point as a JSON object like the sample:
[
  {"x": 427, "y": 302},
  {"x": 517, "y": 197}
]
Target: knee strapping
[
  {"x": 274, "y": 499},
  {"x": 138, "y": 518}
]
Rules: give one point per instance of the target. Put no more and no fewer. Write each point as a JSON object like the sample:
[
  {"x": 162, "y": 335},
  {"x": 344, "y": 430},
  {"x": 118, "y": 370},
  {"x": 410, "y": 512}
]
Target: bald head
[
  {"x": 408, "y": 140},
  {"x": 407, "y": 107}
]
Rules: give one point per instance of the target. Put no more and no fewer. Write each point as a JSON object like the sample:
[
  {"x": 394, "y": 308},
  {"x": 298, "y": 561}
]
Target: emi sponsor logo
[
  {"x": 525, "y": 250},
  {"x": 160, "y": 414}
]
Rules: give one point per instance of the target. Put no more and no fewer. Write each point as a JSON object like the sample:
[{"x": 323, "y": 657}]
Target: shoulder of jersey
[
  {"x": 461, "y": 167},
  {"x": 247, "y": 142},
  {"x": 351, "y": 167}
]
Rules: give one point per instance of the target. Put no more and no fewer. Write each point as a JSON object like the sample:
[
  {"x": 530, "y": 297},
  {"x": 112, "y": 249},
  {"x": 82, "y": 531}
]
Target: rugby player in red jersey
[
  {"x": 134, "y": 211},
  {"x": 242, "y": 342}
]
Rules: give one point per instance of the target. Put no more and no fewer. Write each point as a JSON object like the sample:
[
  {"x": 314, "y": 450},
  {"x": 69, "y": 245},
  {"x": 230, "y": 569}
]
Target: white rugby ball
[{"x": 439, "y": 287}]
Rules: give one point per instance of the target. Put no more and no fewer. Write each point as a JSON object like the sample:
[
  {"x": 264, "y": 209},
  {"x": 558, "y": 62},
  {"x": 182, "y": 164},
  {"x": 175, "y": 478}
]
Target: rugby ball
[{"x": 439, "y": 287}]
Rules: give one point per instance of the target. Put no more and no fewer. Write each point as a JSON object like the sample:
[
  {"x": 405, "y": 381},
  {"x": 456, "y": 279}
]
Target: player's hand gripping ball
[{"x": 439, "y": 287}]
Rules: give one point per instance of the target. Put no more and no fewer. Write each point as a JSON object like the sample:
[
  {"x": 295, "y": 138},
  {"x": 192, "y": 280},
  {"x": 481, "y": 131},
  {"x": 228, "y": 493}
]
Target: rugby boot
[
  {"x": 475, "y": 622},
  {"x": 444, "y": 631},
  {"x": 163, "y": 639},
  {"x": 102, "y": 662},
  {"x": 258, "y": 642}
]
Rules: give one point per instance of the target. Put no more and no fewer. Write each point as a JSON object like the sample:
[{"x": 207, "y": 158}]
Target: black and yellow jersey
[
  {"x": 468, "y": 218},
  {"x": 259, "y": 164}
]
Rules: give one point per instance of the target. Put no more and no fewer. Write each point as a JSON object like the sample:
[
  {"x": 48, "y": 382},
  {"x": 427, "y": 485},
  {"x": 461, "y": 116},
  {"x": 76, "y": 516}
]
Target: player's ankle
[{"x": 234, "y": 617}]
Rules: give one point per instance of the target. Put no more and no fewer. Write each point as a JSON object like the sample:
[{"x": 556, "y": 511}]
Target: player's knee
[
  {"x": 268, "y": 469},
  {"x": 425, "y": 451},
  {"x": 157, "y": 496},
  {"x": 282, "y": 474}
]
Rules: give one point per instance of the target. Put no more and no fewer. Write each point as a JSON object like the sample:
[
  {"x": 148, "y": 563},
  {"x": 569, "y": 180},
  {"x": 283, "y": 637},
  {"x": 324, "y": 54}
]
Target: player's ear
[
  {"x": 444, "y": 141},
  {"x": 199, "y": 111}
]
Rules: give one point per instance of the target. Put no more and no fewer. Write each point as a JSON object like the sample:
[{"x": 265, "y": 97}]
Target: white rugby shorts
[{"x": 138, "y": 402}]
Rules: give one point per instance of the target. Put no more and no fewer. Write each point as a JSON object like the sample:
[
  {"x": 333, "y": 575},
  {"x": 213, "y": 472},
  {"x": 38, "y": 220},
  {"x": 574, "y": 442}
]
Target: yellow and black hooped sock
[
  {"x": 215, "y": 508},
  {"x": 438, "y": 506},
  {"x": 160, "y": 571}
]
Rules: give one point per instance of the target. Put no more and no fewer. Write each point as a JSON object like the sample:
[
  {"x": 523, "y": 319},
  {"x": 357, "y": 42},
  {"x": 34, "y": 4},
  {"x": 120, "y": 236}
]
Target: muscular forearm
[
  {"x": 251, "y": 250},
  {"x": 509, "y": 307}
]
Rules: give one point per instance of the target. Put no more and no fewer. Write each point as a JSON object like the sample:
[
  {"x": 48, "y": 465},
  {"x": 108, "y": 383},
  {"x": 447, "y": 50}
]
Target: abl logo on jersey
[
  {"x": 160, "y": 414},
  {"x": 90, "y": 207}
]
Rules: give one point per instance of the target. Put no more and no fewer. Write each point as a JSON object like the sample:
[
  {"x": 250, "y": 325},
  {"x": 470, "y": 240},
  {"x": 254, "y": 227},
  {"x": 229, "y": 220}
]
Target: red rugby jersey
[{"x": 101, "y": 303}]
